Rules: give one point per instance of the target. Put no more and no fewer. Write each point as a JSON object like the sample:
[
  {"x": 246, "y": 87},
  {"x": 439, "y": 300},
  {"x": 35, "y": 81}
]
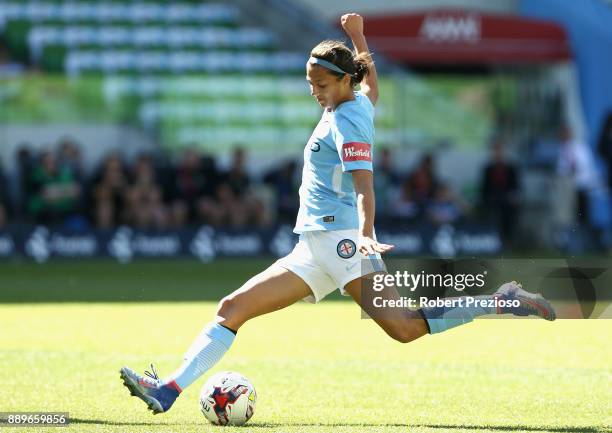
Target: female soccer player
[{"x": 336, "y": 227}]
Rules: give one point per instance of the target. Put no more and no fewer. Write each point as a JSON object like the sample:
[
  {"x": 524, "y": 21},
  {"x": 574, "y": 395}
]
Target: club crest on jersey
[
  {"x": 355, "y": 151},
  {"x": 346, "y": 248}
]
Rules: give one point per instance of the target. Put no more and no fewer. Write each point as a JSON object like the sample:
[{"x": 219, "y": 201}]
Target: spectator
[
  {"x": 109, "y": 190},
  {"x": 403, "y": 206},
  {"x": 144, "y": 204},
  {"x": 499, "y": 191},
  {"x": 576, "y": 160},
  {"x": 237, "y": 205},
  {"x": 55, "y": 192},
  {"x": 423, "y": 182},
  {"x": 285, "y": 184},
  {"x": 410, "y": 201},
  {"x": 386, "y": 183},
  {"x": 193, "y": 188},
  {"x": 237, "y": 177},
  {"x": 605, "y": 147},
  {"x": 3, "y": 215},
  {"x": 445, "y": 207},
  {"x": 3, "y": 199},
  {"x": 69, "y": 158},
  {"x": 25, "y": 167}
]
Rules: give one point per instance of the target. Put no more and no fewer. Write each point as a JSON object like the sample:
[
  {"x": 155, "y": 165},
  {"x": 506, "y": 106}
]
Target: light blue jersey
[{"x": 341, "y": 142}]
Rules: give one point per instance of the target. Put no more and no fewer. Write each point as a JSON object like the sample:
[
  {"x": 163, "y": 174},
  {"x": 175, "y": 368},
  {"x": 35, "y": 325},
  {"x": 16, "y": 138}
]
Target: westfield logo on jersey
[{"x": 355, "y": 151}]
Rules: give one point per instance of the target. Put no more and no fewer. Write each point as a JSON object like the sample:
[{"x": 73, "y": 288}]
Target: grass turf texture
[{"x": 316, "y": 368}]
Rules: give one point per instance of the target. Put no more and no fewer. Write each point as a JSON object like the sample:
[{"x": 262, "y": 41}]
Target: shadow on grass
[
  {"x": 446, "y": 427},
  {"x": 120, "y": 423},
  {"x": 506, "y": 428},
  {"x": 526, "y": 428}
]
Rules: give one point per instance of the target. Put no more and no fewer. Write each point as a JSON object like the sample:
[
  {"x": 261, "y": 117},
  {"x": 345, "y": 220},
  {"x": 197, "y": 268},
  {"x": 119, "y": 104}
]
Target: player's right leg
[{"x": 273, "y": 289}]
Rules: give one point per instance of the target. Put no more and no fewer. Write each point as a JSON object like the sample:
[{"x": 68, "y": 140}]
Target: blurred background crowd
[{"x": 154, "y": 191}]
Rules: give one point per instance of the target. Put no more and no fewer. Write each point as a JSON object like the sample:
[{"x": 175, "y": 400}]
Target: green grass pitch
[{"x": 316, "y": 368}]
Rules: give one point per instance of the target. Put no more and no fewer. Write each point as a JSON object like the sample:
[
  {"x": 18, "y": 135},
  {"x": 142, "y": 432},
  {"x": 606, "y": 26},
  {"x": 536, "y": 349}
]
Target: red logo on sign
[{"x": 355, "y": 151}]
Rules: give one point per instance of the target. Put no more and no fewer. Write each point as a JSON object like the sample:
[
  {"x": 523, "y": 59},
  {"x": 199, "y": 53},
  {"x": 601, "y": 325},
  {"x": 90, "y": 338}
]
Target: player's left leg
[
  {"x": 509, "y": 298},
  {"x": 406, "y": 325},
  {"x": 401, "y": 324}
]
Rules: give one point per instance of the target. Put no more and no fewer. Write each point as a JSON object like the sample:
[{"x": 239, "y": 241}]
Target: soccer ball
[{"x": 228, "y": 398}]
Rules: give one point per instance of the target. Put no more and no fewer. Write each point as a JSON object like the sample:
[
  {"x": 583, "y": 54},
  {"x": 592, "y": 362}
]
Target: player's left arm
[
  {"x": 363, "y": 181},
  {"x": 353, "y": 26}
]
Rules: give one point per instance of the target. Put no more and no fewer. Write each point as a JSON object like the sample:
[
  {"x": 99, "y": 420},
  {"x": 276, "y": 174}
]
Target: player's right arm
[{"x": 353, "y": 26}]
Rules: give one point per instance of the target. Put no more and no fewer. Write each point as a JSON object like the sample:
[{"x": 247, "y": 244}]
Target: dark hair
[{"x": 336, "y": 52}]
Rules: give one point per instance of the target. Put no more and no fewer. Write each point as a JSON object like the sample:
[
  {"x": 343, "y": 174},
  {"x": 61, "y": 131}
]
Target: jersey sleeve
[{"x": 353, "y": 141}]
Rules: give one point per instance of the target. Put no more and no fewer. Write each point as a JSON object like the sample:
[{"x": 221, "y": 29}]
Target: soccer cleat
[
  {"x": 531, "y": 304},
  {"x": 158, "y": 397}
]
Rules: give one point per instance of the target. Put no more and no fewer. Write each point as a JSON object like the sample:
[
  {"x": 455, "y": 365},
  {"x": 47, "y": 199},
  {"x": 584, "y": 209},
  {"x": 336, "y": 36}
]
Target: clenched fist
[{"x": 352, "y": 24}]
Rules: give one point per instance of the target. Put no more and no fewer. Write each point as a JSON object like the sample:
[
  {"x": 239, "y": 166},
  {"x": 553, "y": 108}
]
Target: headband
[{"x": 326, "y": 64}]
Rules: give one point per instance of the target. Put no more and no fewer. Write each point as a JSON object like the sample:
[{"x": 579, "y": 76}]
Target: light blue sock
[
  {"x": 207, "y": 349},
  {"x": 440, "y": 319}
]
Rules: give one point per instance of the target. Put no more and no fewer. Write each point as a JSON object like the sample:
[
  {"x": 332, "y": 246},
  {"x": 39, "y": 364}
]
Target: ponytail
[{"x": 361, "y": 64}]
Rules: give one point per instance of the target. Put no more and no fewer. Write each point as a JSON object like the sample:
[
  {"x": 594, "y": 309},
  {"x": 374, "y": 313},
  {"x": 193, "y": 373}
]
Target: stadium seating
[
  {"x": 110, "y": 12},
  {"x": 112, "y": 61},
  {"x": 187, "y": 71},
  {"x": 135, "y": 37},
  {"x": 141, "y": 37},
  {"x": 203, "y": 87}
]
